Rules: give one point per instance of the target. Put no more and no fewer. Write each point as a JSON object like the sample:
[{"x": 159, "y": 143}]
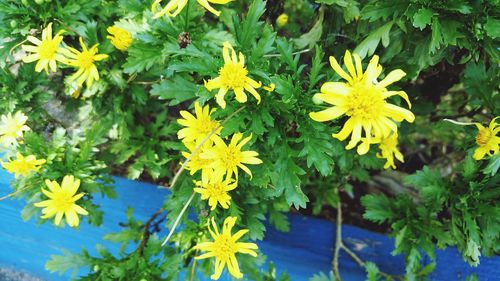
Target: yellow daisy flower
[
  {"x": 197, "y": 163},
  {"x": 84, "y": 61},
  {"x": 12, "y": 128},
  {"x": 389, "y": 149},
  {"x": 46, "y": 51},
  {"x": 225, "y": 159},
  {"x": 225, "y": 247},
  {"x": 62, "y": 201},
  {"x": 363, "y": 100},
  {"x": 23, "y": 165},
  {"x": 119, "y": 37},
  {"x": 215, "y": 190},
  {"x": 487, "y": 140},
  {"x": 197, "y": 128},
  {"x": 233, "y": 76},
  {"x": 178, "y": 5}
]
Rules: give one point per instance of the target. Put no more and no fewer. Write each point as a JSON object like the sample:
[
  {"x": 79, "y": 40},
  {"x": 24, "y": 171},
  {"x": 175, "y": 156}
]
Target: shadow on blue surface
[{"x": 305, "y": 250}]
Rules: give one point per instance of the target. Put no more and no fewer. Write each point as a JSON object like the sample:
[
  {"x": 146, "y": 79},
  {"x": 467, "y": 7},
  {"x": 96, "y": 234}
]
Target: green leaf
[
  {"x": 289, "y": 184},
  {"x": 493, "y": 165},
  {"x": 437, "y": 37},
  {"x": 142, "y": 56},
  {"x": 177, "y": 90},
  {"x": 279, "y": 220},
  {"x": 370, "y": 43},
  {"x": 378, "y": 208},
  {"x": 249, "y": 29},
  {"x": 492, "y": 27},
  {"x": 66, "y": 261},
  {"x": 310, "y": 38},
  {"x": 422, "y": 18},
  {"x": 372, "y": 271}
]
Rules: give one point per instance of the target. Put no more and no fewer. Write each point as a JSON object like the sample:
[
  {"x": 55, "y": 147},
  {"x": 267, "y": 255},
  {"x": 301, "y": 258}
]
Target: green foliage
[{"x": 126, "y": 124}]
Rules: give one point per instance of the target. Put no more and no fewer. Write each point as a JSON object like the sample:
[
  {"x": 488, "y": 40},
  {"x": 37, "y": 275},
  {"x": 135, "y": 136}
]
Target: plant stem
[
  {"x": 279, "y": 55},
  {"x": 178, "y": 219},
  {"x": 338, "y": 241},
  {"x": 15, "y": 192},
  {"x": 339, "y": 244},
  {"x": 146, "y": 234}
]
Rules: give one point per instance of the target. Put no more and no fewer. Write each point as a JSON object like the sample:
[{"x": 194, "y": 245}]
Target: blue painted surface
[{"x": 304, "y": 251}]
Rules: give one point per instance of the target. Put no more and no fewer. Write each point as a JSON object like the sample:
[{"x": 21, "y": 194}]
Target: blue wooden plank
[{"x": 304, "y": 251}]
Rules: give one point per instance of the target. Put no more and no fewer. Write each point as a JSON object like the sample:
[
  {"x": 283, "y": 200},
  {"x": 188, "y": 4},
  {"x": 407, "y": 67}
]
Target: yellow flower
[
  {"x": 12, "y": 127},
  {"x": 197, "y": 128},
  {"x": 225, "y": 159},
  {"x": 197, "y": 163},
  {"x": 389, "y": 149},
  {"x": 225, "y": 247},
  {"x": 363, "y": 100},
  {"x": 233, "y": 76},
  {"x": 119, "y": 37},
  {"x": 84, "y": 61},
  {"x": 23, "y": 165},
  {"x": 45, "y": 51},
  {"x": 62, "y": 201},
  {"x": 215, "y": 190},
  {"x": 178, "y": 5},
  {"x": 282, "y": 20},
  {"x": 487, "y": 139}
]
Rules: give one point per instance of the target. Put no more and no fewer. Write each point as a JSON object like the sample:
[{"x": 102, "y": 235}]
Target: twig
[
  {"x": 279, "y": 55},
  {"x": 338, "y": 241},
  {"x": 15, "y": 193},
  {"x": 339, "y": 244},
  {"x": 466, "y": 114},
  {"x": 178, "y": 219},
  {"x": 191, "y": 278},
  {"x": 146, "y": 234}
]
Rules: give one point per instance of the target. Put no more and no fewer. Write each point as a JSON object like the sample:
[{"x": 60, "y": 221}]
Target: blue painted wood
[{"x": 304, "y": 251}]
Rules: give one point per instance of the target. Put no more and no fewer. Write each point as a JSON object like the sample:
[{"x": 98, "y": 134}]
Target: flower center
[
  {"x": 63, "y": 201},
  {"x": 365, "y": 101},
  {"x": 216, "y": 190},
  {"x": 224, "y": 247},
  {"x": 233, "y": 75},
  {"x": 205, "y": 125},
  {"x": 483, "y": 136},
  {"x": 231, "y": 157},
  {"x": 47, "y": 50},
  {"x": 85, "y": 59}
]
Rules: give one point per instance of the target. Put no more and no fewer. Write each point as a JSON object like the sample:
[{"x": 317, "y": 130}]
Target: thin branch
[
  {"x": 191, "y": 278},
  {"x": 293, "y": 54},
  {"x": 178, "y": 219},
  {"x": 338, "y": 241},
  {"x": 146, "y": 234},
  {"x": 15, "y": 193}
]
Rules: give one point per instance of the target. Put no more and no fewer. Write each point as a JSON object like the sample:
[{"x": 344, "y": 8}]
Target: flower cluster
[
  {"x": 364, "y": 101},
  {"x": 219, "y": 163},
  {"x": 62, "y": 198},
  {"x": 49, "y": 50}
]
